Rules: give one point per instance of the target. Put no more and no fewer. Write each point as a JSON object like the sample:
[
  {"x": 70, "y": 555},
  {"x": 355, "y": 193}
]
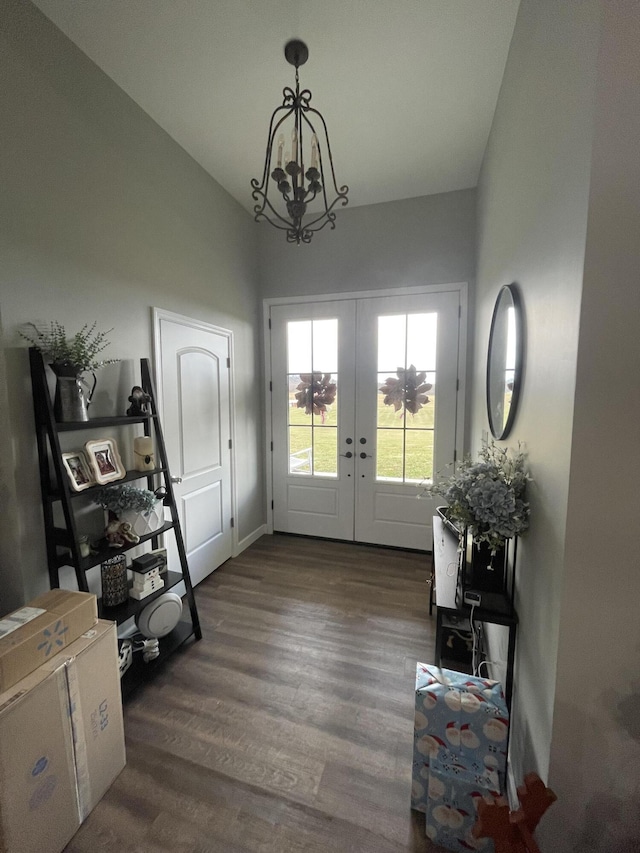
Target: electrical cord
[
  {"x": 487, "y": 662},
  {"x": 475, "y": 640}
]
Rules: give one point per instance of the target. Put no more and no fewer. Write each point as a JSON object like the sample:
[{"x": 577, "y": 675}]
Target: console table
[{"x": 498, "y": 612}]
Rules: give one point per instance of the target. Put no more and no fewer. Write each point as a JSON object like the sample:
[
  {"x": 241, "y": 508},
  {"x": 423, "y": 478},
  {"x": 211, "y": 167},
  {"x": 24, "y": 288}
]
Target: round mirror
[{"x": 504, "y": 361}]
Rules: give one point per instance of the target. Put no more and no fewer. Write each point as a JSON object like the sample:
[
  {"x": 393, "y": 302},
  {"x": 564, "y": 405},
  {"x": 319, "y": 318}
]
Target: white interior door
[
  {"x": 364, "y": 408},
  {"x": 193, "y": 367}
]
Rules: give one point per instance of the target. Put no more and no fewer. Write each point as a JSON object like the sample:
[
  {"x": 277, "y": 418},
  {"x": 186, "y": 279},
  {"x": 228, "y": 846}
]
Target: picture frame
[
  {"x": 79, "y": 471},
  {"x": 104, "y": 459}
]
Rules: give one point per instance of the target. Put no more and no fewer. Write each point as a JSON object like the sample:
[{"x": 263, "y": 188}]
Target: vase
[
  {"x": 115, "y": 586},
  {"x": 71, "y": 400},
  {"x": 487, "y": 571},
  {"x": 148, "y": 521}
]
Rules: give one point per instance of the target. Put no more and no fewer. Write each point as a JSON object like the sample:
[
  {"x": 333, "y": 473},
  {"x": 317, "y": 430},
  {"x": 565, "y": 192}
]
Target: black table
[{"x": 499, "y": 611}]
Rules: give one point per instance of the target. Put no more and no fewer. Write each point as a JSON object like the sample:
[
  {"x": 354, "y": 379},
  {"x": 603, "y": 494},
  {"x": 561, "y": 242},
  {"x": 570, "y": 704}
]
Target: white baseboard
[{"x": 243, "y": 544}]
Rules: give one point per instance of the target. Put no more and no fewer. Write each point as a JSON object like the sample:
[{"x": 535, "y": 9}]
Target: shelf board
[
  {"x": 130, "y": 476},
  {"x": 132, "y": 606},
  {"x": 106, "y": 553},
  {"x": 93, "y": 423},
  {"x": 139, "y": 671}
]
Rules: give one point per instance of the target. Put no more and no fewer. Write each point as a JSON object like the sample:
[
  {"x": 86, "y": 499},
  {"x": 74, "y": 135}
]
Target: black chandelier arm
[
  {"x": 259, "y": 209},
  {"x": 287, "y": 226},
  {"x": 325, "y": 218},
  {"x": 288, "y": 97},
  {"x": 304, "y": 99},
  {"x": 343, "y": 190}
]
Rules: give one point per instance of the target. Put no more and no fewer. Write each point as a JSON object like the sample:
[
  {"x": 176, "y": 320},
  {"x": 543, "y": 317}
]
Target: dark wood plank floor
[{"x": 289, "y": 726}]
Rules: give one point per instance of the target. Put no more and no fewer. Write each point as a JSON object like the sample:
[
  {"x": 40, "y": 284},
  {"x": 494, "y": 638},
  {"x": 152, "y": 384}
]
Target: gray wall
[
  {"x": 104, "y": 216},
  {"x": 558, "y": 214},
  {"x": 595, "y": 758},
  {"x": 418, "y": 241}
]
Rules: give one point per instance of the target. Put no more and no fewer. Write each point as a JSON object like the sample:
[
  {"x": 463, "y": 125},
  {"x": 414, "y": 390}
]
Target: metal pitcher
[{"x": 73, "y": 394}]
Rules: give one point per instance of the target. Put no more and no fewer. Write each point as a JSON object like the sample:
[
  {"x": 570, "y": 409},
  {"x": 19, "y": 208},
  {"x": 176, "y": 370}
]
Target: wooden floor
[{"x": 289, "y": 726}]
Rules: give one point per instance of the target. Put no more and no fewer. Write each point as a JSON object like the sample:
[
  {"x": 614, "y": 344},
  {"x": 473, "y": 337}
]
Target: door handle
[
  {"x": 176, "y": 479},
  {"x": 348, "y": 454},
  {"x": 349, "y": 440},
  {"x": 364, "y": 455}
]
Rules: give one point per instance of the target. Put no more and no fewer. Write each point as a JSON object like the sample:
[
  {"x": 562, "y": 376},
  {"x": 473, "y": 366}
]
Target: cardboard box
[
  {"x": 38, "y": 802},
  {"x": 37, "y": 632},
  {"x": 454, "y": 794},
  {"x": 95, "y": 702},
  {"x": 61, "y": 743},
  {"x": 459, "y": 719}
]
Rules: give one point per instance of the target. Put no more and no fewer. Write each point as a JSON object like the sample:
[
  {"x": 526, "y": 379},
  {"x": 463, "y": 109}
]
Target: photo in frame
[
  {"x": 77, "y": 467},
  {"x": 105, "y": 460}
]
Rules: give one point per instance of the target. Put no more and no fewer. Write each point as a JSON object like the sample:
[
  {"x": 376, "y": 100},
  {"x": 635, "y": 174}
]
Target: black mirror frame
[{"x": 519, "y": 365}]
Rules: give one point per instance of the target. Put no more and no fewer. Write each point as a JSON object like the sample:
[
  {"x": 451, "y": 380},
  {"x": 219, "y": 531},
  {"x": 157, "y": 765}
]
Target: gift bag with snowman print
[{"x": 459, "y": 719}]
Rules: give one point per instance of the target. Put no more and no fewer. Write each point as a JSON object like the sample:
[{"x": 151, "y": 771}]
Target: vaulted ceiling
[{"x": 408, "y": 87}]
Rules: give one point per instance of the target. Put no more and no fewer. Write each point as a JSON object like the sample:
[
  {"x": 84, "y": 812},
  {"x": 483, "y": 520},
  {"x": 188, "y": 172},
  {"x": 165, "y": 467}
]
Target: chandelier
[{"x": 300, "y": 180}]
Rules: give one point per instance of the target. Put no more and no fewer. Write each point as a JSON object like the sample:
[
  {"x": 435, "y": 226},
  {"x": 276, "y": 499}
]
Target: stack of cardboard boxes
[
  {"x": 460, "y": 753},
  {"x": 61, "y": 729}
]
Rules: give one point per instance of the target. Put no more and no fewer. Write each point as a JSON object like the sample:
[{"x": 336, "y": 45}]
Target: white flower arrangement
[{"x": 487, "y": 497}]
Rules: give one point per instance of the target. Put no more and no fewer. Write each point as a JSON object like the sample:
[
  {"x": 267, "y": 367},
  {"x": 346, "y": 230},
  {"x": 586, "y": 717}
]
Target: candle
[
  {"x": 314, "y": 152},
  {"x": 143, "y": 453},
  {"x": 280, "y": 149},
  {"x": 294, "y": 144}
]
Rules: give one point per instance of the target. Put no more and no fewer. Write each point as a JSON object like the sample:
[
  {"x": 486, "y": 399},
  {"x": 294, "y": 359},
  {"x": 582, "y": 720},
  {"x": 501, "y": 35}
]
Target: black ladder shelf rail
[{"x": 54, "y": 485}]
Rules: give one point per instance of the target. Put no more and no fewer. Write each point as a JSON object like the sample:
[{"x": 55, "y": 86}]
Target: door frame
[
  {"x": 159, "y": 314},
  {"x": 457, "y": 287}
]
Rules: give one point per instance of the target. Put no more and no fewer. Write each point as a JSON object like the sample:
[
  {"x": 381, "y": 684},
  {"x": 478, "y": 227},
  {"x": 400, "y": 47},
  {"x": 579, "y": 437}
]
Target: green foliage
[
  {"x": 488, "y": 497},
  {"x": 123, "y": 497},
  {"x": 78, "y": 350}
]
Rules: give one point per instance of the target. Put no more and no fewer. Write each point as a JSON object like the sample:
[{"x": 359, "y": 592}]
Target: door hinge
[
  {"x": 233, "y": 521},
  {"x": 455, "y": 455},
  {"x": 270, "y": 386},
  {"x": 269, "y": 322},
  {"x": 230, "y": 443},
  {"x": 459, "y": 311},
  {"x": 228, "y": 362},
  {"x": 457, "y": 384},
  {"x": 272, "y": 447},
  {"x": 271, "y": 504}
]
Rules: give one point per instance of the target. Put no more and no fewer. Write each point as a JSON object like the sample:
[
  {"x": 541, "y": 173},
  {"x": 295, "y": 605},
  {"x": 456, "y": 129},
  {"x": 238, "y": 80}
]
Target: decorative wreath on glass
[
  {"x": 315, "y": 393},
  {"x": 408, "y": 390}
]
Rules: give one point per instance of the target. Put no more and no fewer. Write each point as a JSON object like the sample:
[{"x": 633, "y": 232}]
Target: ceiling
[{"x": 408, "y": 88}]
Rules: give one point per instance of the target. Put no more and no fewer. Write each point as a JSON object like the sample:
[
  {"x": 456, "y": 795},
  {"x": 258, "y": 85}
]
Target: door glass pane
[
  {"x": 313, "y": 397},
  {"x": 300, "y": 449},
  {"x": 424, "y": 418},
  {"x": 325, "y": 451},
  {"x": 325, "y": 346},
  {"x": 406, "y": 396},
  {"x": 422, "y": 330},
  {"x": 299, "y": 346},
  {"x": 418, "y": 455},
  {"x": 390, "y": 455},
  {"x": 392, "y": 342}
]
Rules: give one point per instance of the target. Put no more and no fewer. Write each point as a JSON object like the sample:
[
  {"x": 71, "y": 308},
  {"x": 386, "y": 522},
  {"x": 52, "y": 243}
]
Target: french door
[{"x": 364, "y": 403}]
